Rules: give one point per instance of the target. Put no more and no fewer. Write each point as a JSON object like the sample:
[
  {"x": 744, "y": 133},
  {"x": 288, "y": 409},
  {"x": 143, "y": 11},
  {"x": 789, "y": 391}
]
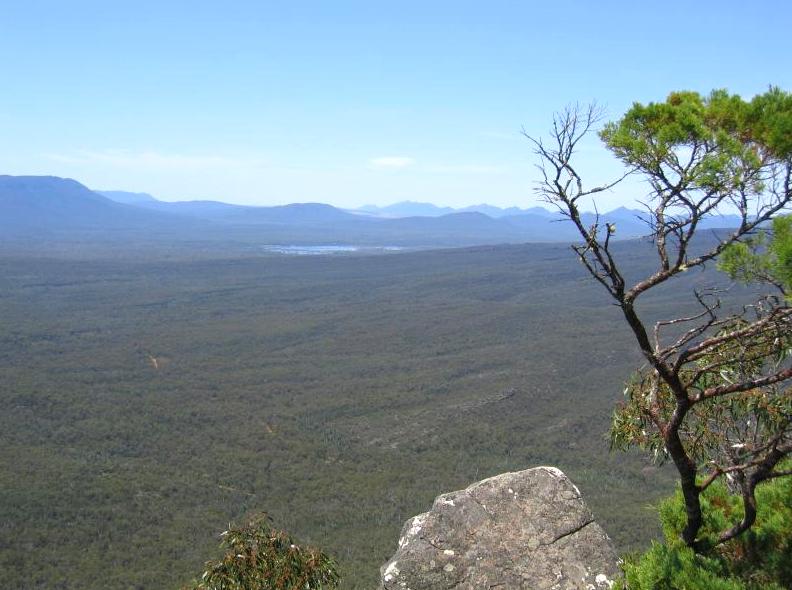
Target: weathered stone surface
[{"x": 528, "y": 529}]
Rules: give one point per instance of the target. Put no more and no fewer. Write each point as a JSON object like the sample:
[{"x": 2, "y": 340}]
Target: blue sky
[{"x": 351, "y": 103}]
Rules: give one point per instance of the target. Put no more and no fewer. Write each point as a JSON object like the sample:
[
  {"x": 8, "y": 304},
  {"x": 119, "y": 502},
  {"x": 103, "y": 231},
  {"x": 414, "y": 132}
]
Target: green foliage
[
  {"x": 723, "y": 426},
  {"x": 759, "y": 559},
  {"x": 770, "y": 118},
  {"x": 674, "y": 567},
  {"x": 721, "y": 135},
  {"x": 258, "y": 557},
  {"x": 760, "y": 258}
]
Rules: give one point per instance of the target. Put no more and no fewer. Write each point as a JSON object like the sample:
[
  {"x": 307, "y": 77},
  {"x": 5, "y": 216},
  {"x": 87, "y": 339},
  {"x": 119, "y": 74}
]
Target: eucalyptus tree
[{"x": 713, "y": 395}]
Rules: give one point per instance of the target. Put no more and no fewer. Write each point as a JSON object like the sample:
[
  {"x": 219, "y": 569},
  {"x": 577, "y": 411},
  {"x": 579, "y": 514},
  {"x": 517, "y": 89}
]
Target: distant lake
[{"x": 327, "y": 249}]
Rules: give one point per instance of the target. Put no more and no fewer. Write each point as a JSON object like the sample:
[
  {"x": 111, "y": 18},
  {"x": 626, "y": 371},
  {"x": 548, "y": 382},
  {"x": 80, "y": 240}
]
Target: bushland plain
[{"x": 148, "y": 401}]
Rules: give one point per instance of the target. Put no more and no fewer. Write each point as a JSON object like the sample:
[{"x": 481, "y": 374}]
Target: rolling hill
[{"x": 34, "y": 205}]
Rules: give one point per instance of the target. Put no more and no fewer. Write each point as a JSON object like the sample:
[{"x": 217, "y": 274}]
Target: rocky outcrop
[{"x": 528, "y": 529}]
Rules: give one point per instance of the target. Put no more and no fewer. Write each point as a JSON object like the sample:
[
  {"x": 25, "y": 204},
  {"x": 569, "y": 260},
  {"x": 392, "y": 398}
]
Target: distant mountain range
[
  {"x": 297, "y": 213},
  {"x": 31, "y": 206},
  {"x": 415, "y": 209}
]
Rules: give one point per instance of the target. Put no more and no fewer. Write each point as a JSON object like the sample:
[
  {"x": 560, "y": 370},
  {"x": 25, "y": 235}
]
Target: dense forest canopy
[{"x": 150, "y": 401}]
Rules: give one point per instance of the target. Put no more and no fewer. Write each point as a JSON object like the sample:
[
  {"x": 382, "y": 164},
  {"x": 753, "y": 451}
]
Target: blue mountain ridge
[{"x": 30, "y": 204}]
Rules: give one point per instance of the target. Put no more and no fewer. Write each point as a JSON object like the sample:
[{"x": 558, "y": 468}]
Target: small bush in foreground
[{"x": 258, "y": 557}]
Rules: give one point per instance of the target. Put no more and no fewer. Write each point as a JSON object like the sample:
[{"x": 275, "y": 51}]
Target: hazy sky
[{"x": 350, "y": 102}]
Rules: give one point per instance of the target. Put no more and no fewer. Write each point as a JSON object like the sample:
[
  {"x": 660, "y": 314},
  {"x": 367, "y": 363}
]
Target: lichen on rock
[{"x": 527, "y": 529}]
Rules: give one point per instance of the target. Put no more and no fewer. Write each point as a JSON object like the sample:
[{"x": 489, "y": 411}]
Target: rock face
[{"x": 528, "y": 529}]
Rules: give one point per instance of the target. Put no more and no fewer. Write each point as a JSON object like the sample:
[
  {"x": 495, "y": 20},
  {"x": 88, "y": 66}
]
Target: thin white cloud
[
  {"x": 151, "y": 160},
  {"x": 391, "y": 162}
]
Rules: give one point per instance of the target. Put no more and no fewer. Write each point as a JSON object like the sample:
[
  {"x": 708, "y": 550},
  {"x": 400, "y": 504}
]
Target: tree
[
  {"x": 713, "y": 396},
  {"x": 258, "y": 557}
]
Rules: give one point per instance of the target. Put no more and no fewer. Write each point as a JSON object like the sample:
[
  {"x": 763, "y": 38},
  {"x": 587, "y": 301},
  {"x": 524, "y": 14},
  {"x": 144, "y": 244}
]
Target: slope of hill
[
  {"x": 30, "y": 204},
  {"x": 128, "y": 198},
  {"x": 407, "y": 209},
  {"x": 293, "y": 214},
  {"x": 496, "y": 212},
  {"x": 415, "y": 209}
]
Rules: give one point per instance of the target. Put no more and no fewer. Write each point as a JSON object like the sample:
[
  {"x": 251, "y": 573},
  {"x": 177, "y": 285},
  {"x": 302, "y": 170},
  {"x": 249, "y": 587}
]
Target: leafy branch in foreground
[
  {"x": 713, "y": 396},
  {"x": 258, "y": 557}
]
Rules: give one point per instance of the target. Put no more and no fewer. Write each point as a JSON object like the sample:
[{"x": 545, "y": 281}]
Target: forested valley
[{"x": 150, "y": 400}]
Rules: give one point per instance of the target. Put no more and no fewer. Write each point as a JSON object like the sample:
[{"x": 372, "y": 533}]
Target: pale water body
[{"x": 327, "y": 249}]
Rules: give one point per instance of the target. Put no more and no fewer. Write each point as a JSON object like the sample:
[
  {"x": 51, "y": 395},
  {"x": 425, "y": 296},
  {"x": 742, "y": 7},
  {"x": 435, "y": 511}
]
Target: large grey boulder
[{"x": 528, "y": 529}]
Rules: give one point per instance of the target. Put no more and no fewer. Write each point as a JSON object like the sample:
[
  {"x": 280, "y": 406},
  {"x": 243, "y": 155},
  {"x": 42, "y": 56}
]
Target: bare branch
[{"x": 721, "y": 390}]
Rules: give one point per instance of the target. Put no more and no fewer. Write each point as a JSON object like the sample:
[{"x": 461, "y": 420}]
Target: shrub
[
  {"x": 258, "y": 557},
  {"x": 760, "y": 558}
]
